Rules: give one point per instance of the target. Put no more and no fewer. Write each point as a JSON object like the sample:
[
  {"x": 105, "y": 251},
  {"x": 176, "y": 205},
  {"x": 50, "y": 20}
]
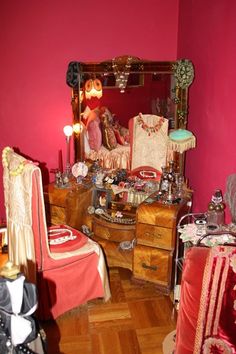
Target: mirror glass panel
[
  {"x": 148, "y": 93},
  {"x": 159, "y": 88}
]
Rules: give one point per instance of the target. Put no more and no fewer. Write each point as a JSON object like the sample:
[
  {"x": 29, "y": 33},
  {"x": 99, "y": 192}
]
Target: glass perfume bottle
[
  {"x": 164, "y": 184},
  {"x": 179, "y": 181}
]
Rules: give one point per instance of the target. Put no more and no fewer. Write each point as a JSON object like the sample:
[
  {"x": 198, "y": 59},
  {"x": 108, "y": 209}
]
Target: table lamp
[{"x": 181, "y": 140}]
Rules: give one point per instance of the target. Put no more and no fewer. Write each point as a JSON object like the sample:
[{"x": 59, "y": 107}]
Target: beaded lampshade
[
  {"x": 93, "y": 88},
  {"x": 181, "y": 140}
]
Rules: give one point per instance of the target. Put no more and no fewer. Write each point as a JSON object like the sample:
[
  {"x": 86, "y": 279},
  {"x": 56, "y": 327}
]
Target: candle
[{"x": 60, "y": 163}]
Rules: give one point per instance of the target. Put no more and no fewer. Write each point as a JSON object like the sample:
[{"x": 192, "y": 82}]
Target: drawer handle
[
  {"x": 155, "y": 234},
  {"x": 144, "y": 265}
]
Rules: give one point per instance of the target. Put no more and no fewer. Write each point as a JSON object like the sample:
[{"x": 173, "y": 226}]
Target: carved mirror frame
[{"x": 182, "y": 71}]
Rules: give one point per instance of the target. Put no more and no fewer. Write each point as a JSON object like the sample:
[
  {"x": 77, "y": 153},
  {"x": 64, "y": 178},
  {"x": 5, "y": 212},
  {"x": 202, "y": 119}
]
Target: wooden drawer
[
  {"x": 112, "y": 231},
  {"x": 160, "y": 214},
  {"x": 152, "y": 264},
  {"x": 68, "y": 206},
  {"x": 115, "y": 257},
  {"x": 155, "y": 236}
]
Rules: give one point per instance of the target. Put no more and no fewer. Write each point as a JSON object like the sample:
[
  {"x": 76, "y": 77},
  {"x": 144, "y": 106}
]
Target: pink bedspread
[{"x": 112, "y": 159}]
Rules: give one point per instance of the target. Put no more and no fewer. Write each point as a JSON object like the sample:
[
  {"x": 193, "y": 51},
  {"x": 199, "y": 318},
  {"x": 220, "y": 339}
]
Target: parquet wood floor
[{"x": 135, "y": 321}]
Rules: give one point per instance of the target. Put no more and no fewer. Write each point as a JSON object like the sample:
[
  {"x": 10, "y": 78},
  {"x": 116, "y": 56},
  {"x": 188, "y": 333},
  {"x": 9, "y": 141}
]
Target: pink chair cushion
[{"x": 60, "y": 241}]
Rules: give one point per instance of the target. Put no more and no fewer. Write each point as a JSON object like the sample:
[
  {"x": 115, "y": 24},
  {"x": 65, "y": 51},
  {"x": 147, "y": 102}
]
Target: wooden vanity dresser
[{"x": 153, "y": 257}]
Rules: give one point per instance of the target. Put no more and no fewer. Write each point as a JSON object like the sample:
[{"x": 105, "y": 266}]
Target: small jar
[
  {"x": 216, "y": 213},
  {"x": 216, "y": 217}
]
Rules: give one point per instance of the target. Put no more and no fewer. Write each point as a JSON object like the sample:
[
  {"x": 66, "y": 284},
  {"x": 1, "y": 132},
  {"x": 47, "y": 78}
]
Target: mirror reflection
[
  {"x": 112, "y": 93},
  {"x": 147, "y": 93}
]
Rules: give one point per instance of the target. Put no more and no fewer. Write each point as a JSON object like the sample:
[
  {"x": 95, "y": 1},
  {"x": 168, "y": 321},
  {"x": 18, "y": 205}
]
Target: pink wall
[
  {"x": 207, "y": 36},
  {"x": 39, "y": 39}
]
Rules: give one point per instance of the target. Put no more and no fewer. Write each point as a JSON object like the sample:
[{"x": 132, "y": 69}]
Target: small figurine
[
  {"x": 59, "y": 181},
  {"x": 99, "y": 179}
]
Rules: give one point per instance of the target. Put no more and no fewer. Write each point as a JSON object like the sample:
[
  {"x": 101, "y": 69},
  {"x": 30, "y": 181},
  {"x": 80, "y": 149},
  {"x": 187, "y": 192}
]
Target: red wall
[
  {"x": 38, "y": 40},
  {"x": 207, "y": 36}
]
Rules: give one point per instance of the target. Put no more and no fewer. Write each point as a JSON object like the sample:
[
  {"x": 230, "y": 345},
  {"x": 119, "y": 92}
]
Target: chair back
[
  {"x": 206, "y": 311},
  {"x": 25, "y": 213}
]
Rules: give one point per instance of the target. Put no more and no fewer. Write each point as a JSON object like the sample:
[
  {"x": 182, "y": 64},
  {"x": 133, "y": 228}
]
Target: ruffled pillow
[
  {"x": 122, "y": 133},
  {"x": 87, "y": 148},
  {"x": 108, "y": 136},
  {"x": 125, "y": 133},
  {"x": 106, "y": 114},
  {"x": 92, "y": 115},
  {"x": 94, "y": 134},
  {"x": 119, "y": 138}
]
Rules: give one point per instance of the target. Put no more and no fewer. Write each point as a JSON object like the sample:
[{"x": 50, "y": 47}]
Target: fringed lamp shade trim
[
  {"x": 184, "y": 145},
  {"x": 181, "y": 140}
]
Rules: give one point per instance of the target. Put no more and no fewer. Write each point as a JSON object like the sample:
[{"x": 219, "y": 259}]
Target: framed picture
[{"x": 101, "y": 198}]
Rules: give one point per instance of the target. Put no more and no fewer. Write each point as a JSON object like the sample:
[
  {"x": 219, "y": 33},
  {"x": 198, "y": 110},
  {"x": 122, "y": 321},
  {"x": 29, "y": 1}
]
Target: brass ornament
[
  {"x": 211, "y": 206},
  {"x": 183, "y": 73},
  {"x": 218, "y": 207}
]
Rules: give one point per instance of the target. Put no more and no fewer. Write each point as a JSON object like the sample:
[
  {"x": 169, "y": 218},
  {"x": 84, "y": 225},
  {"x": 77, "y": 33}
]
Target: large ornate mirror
[{"x": 127, "y": 86}]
